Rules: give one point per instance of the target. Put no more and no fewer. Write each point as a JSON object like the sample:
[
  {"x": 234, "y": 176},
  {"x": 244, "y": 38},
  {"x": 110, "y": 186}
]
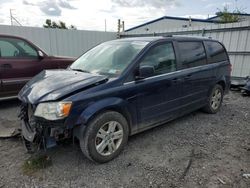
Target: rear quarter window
[
  {"x": 192, "y": 54},
  {"x": 216, "y": 52}
]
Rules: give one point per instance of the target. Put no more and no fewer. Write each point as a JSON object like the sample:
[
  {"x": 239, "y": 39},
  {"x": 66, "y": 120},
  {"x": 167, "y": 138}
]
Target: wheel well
[
  {"x": 123, "y": 112},
  {"x": 222, "y": 83}
]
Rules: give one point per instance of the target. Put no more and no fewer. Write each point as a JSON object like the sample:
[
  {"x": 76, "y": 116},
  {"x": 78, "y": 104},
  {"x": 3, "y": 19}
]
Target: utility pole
[
  {"x": 119, "y": 27},
  {"x": 105, "y": 25},
  {"x": 11, "y": 17},
  {"x": 123, "y": 26},
  {"x": 190, "y": 21}
]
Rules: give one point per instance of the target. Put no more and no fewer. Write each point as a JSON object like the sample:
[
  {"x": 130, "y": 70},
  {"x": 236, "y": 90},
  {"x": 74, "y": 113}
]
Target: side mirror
[
  {"x": 145, "y": 72},
  {"x": 40, "y": 54}
]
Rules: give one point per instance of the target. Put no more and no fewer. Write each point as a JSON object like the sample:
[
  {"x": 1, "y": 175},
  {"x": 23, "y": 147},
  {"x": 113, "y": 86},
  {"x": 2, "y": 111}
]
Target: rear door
[
  {"x": 157, "y": 96},
  {"x": 19, "y": 62},
  {"x": 1, "y": 87},
  {"x": 219, "y": 61},
  {"x": 196, "y": 73}
]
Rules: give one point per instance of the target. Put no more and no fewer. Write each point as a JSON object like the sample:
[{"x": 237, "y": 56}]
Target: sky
[{"x": 91, "y": 14}]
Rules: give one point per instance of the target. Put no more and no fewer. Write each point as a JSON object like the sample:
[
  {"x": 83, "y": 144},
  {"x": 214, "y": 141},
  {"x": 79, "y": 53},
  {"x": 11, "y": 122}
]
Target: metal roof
[
  {"x": 209, "y": 20},
  {"x": 172, "y": 18}
]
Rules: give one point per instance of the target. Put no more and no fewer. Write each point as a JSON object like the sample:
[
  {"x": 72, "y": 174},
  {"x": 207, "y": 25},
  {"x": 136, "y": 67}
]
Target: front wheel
[
  {"x": 214, "y": 100},
  {"x": 105, "y": 137}
]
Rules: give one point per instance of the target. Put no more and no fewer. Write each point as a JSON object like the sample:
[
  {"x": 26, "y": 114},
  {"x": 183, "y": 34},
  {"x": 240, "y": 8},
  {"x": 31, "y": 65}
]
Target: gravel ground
[{"x": 197, "y": 150}]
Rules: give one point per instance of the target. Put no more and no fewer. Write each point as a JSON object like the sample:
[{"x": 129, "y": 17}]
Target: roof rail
[
  {"x": 193, "y": 36},
  {"x": 167, "y": 35}
]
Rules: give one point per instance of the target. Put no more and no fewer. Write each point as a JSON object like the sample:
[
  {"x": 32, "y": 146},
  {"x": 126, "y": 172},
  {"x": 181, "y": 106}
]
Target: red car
[{"x": 20, "y": 60}]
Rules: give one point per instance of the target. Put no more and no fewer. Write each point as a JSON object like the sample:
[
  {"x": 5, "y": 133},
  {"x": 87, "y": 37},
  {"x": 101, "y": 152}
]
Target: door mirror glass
[
  {"x": 40, "y": 54},
  {"x": 145, "y": 72}
]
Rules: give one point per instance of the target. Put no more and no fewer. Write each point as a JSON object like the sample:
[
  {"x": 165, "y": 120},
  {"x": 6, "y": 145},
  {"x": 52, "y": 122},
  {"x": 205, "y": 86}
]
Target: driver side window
[
  {"x": 16, "y": 48},
  {"x": 162, "y": 58},
  {"x": 7, "y": 50}
]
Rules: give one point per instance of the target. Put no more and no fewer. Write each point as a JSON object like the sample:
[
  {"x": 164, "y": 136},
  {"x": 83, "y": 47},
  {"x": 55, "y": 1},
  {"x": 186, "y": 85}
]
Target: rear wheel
[
  {"x": 215, "y": 100},
  {"x": 105, "y": 137}
]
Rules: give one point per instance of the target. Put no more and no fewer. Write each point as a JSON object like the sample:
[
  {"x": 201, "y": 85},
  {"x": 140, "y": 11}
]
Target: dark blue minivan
[{"x": 120, "y": 88}]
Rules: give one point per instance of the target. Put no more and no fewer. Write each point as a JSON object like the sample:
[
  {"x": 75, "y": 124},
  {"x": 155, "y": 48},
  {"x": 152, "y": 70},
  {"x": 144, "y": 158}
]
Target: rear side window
[
  {"x": 216, "y": 52},
  {"x": 192, "y": 54}
]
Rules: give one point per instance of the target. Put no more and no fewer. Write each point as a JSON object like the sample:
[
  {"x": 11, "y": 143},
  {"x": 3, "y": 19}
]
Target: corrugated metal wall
[
  {"x": 235, "y": 37},
  {"x": 60, "y": 42}
]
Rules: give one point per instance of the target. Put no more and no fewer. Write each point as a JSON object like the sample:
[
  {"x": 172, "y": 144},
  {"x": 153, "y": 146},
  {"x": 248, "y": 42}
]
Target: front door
[
  {"x": 157, "y": 96},
  {"x": 19, "y": 62}
]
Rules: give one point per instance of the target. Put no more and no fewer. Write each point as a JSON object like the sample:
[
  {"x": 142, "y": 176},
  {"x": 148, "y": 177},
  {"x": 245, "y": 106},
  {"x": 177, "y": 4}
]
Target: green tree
[
  {"x": 73, "y": 27},
  {"x": 59, "y": 25},
  {"x": 47, "y": 24},
  {"x": 62, "y": 25},
  {"x": 229, "y": 17}
]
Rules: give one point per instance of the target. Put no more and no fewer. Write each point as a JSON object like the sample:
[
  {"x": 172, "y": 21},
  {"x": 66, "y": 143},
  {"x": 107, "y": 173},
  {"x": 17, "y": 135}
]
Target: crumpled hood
[{"x": 51, "y": 85}]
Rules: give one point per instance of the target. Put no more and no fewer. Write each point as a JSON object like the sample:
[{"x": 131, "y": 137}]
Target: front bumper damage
[{"x": 40, "y": 134}]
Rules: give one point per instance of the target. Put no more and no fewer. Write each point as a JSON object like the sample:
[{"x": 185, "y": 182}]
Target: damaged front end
[{"x": 38, "y": 133}]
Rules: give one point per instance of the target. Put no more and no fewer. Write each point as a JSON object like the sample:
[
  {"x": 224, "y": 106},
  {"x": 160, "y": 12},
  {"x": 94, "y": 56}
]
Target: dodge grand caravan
[{"x": 120, "y": 88}]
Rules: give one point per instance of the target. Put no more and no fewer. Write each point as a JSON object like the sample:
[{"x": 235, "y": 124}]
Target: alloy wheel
[
  {"x": 109, "y": 138},
  {"x": 216, "y": 99}
]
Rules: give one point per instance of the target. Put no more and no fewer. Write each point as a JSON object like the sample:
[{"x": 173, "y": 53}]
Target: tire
[
  {"x": 214, "y": 100},
  {"x": 105, "y": 137},
  {"x": 30, "y": 147}
]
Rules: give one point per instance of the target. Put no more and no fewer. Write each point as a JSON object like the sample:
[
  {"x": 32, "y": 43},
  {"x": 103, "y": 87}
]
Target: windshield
[{"x": 109, "y": 58}]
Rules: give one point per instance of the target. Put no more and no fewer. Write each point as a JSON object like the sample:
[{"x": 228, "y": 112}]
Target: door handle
[
  {"x": 187, "y": 77},
  {"x": 6, "y": 66},
  {"x": 176, "y": 80}
]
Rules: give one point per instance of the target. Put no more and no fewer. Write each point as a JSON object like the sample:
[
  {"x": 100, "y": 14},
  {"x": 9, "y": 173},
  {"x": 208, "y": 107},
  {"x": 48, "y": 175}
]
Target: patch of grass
[{"x": 36, "y": 163}]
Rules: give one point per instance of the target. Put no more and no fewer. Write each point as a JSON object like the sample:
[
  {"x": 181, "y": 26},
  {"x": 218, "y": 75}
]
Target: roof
[
  {"x": 239, "y": 14},
  {"x": 11, "y": 36},
  {"x": 172, "y": 18}
]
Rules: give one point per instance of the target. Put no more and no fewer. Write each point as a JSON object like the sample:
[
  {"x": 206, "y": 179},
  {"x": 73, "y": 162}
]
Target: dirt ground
[{"x": 198, "y": 150}]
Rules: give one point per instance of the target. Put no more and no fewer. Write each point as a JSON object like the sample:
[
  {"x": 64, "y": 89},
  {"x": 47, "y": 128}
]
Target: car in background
[{"x": 20, "y": 60}]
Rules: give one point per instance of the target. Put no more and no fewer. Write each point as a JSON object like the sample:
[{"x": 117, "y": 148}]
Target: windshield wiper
[{"x": 80, "y": 70}]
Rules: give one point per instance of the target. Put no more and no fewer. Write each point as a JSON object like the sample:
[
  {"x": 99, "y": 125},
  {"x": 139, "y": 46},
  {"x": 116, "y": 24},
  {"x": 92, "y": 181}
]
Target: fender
[
  {"x": 224, "y": 82},
  {"x": 112, "y": 103},
  {"x": 223, "y": 69},
  {"x": 220, "y": 80}
]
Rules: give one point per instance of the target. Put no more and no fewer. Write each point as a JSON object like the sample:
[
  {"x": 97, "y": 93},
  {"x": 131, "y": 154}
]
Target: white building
[{"x": 168, "y": 22}]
